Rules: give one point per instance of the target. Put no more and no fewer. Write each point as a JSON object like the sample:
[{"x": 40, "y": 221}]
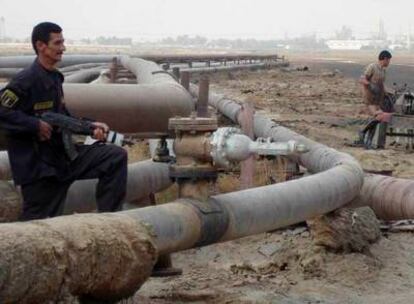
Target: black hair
[
  {"x": 384, "y": 54},
  {"x": 41, "y": 32}
]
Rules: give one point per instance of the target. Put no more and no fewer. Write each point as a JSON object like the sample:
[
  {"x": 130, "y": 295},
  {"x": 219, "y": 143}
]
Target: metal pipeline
[
  {"x": 68, "y": 59},
  {"x": 9, "y": 72},
  {"x": 148, "y": 72},
  {"x": 129, "y": 108},
  {"x": 184, "y": 224},
  {"x": 5, "y": 170},
  {"x": 235, "y": 67},
  {"x": 23, "y": 61},
  {"x": 78, "y": 67},
  {"x": 391, "y": 198},
  {"x": 142, "y": 109},
  {"x": 83, "y": 76},
  {"x": 144, "y": 177}
]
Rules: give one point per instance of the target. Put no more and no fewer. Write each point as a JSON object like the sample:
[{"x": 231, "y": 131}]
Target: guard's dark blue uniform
[{"x": 42, "y": 168}]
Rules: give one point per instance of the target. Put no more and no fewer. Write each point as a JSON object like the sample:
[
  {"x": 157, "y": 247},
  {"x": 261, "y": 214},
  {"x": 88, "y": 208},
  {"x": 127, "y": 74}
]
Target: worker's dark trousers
[{"x": 46, "y": 196}]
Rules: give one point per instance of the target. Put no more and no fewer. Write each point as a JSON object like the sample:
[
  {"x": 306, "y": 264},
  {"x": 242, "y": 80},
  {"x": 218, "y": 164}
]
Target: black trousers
[{"x": 46, "y": 197}]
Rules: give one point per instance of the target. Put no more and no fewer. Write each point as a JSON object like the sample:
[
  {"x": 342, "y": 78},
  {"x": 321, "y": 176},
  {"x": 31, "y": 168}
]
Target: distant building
[{"x": 355, "y": 44}]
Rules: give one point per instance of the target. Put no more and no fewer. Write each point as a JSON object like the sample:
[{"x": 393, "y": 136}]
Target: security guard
[{"x": 39, "y": 161}]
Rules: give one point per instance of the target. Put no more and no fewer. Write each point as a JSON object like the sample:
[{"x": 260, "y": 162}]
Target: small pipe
[
  {"x": 185, "y": 79},
  {"x": 237, "y": 67},
  {"x": 176, "y": 72}
]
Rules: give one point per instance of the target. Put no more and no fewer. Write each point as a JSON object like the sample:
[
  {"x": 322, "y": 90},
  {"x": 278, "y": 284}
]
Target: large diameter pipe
[
  {"x": 68, "y": 59},
  {"x": 185, "y": 224},
  {"x": 148, "y": 72},
  {"x": 83, "y": 76},
  {"x": 318, "y": 159},
  {"x": 144, "y": 178},
  {"x": 129, "y": 108},
  {"x": 24, "y": 61},
  {"x": 178, "y": 225},
  {"x": 5, "y": 169},
  {"x": 9, "y": 72},
  {"x": 391, "y": 198},
  {"x": 99, "y": 258}
]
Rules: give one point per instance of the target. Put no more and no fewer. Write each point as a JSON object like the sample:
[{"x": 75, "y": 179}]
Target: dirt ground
[{"x": 284, "y": 266}]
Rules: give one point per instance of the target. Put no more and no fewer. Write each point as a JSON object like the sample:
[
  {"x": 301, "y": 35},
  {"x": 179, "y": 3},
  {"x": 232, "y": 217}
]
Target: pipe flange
[{"x": 218, "y": 143}]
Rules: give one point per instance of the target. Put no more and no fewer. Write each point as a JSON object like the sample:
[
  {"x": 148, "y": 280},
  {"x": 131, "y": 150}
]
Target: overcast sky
[{"x": 152, "y": 19}]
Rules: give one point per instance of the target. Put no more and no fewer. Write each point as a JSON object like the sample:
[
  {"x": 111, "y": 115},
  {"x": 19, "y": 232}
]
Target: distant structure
[
  {"x": 382, "y": 34},
  {"x": 2, "y": 28},
  {"x": 348, "y": 44},
  {"x": 345, "y": 40}
]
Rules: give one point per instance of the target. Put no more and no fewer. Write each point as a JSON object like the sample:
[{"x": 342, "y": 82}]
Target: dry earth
[{"x": 284, "y": 266}]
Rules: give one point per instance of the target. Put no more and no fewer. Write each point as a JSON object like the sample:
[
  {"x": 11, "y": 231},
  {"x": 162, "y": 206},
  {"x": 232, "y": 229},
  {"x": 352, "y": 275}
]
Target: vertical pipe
[
  {"x": 185, "y": 80},
  {"x": 247, "y": 166},
  {"x": 202, "y": 104},
  {"x": 176, "y": 73},
  {"x": 114, "y": 69}
]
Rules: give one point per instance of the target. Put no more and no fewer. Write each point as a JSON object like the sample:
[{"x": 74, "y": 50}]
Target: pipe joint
[{"x": 214, "y": 219}]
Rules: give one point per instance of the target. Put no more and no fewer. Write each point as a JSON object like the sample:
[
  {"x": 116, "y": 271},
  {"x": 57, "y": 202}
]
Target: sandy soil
[{"x": 284, "y": 266}]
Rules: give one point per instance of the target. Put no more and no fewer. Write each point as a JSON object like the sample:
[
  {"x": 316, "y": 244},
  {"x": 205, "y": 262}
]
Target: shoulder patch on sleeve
[{"x": 8, "y": 99}]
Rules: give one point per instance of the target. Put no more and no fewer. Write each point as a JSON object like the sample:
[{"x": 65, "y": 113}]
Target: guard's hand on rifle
[
  {"x": 101, "y": 130},
  {"x": 45, "y": 131}
]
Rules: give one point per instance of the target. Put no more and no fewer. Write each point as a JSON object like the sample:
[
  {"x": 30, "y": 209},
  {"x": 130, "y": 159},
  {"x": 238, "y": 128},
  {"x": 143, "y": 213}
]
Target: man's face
[
  {"x": 53, "y": 50},
  {"x": 385, "y": 62}
]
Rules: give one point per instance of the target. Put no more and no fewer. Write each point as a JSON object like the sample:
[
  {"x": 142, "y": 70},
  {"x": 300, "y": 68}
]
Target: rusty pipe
[
  {"x": 129, "y": 108},
  {"x": 391, "y": 198},
  {"x": 143, "y": 109}
]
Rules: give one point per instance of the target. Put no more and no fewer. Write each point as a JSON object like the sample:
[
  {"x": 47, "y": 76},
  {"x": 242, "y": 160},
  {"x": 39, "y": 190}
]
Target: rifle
[{"x": 69, "y": 125}]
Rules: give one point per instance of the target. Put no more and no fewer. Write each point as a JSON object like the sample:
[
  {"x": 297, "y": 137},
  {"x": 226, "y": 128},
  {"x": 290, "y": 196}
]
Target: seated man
[{"x": 40, "y": 161}]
